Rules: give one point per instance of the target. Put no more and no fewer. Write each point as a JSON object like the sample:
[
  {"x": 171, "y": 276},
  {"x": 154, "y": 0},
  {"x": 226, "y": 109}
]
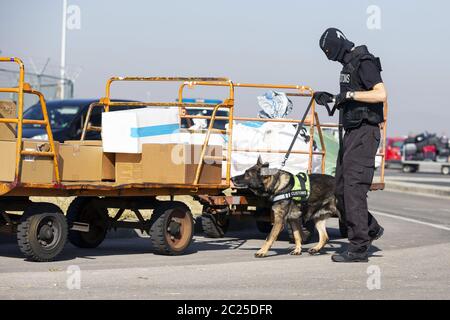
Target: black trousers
[{"x": 354, "y": 173}]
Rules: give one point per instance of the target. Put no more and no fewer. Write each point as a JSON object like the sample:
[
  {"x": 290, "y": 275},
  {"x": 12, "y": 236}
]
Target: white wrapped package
[
  {"x": 268, "y": 136},
  {"x": 274, "y": 105},
  {"x": 199, "y": 138},
  {"x": 125, "y": 131}
]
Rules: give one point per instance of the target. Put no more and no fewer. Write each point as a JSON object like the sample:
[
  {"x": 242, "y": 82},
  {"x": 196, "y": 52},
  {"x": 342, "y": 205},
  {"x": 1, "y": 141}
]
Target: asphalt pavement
[
  {"x": 437, "y": 179},
  {"x": 411, "y": 261}
]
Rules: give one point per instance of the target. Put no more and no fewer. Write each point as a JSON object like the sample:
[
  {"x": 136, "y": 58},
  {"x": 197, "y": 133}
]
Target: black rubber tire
[
  {"x": 343, "y": 229},
  {"x": 308, "y": 230},
  {"x": 34, "y": 219},
  {"x": 214, "y": 225},
  {"x": 160, "y": 224},
  {"x": 82, "y": 210},
  {"x": 263, "y": 226}
]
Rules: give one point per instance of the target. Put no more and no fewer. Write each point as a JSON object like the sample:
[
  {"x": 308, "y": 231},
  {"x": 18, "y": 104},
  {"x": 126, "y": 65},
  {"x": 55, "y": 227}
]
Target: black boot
[
  {"x": 377, "y": 235},
  {"x": 349, "y": 256}
]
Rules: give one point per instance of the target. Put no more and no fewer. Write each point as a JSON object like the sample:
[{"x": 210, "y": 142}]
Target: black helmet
[{"x": 335, "y": 44}]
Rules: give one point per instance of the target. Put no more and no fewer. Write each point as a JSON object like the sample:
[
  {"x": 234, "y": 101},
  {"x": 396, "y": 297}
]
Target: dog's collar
[{"x": 290, "y": 195}]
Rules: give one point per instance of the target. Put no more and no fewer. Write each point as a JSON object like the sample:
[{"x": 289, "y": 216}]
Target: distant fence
[{"x": 49, "y": 85}]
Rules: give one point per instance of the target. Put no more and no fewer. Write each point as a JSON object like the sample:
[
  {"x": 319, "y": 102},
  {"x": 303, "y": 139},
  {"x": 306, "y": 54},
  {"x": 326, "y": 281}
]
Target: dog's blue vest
[{"x": 300, "y": 191}]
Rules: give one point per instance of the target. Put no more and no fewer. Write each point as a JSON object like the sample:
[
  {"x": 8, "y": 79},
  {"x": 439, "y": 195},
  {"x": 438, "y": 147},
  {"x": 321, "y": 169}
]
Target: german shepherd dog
[{"x": 320, "y": 205}]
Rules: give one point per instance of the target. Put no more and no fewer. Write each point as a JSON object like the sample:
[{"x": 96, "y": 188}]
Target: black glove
[
  {"x": 340, "y": 98},
  {"x": 323, "y": 98}
]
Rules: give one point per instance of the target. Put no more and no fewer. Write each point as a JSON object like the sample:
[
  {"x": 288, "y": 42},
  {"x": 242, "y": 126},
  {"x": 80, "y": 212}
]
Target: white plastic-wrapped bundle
[
  {"x": 268, "y": 136},
  {"x": 274, "y": 105}
]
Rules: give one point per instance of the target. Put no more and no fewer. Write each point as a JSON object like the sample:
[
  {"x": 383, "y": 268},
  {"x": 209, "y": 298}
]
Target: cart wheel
[
  {"x": 445, "y": 170},
  {"x": 171, "y": 228},
  {"x": 42, "y": 232},
  {"x": 82, "y": 210},
  {"x": 307, "y": 231},
  {"x": 263, "y": 226},
  {"x": 343, "y": 229},
  {"x": 215, "y": 225}
]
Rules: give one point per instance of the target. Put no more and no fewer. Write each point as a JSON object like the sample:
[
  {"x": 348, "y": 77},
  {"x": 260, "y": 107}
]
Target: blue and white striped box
[{"x": 126, "y": 131}]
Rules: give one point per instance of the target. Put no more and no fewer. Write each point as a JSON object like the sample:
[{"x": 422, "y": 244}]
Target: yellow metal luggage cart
[{"x": 42, "y": 229}]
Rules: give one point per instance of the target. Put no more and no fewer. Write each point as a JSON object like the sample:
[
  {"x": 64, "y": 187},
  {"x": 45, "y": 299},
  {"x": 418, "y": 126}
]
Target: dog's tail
[{"x": 337, "y": 212}]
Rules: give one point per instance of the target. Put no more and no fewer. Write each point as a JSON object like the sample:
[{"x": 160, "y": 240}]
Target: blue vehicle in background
[{"x": 67, "y": 118}]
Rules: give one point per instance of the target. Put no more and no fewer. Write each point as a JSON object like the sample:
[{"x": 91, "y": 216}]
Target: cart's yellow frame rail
[
  {"x": 20, "y": 90},
  {"x": 299, "y": 91}
]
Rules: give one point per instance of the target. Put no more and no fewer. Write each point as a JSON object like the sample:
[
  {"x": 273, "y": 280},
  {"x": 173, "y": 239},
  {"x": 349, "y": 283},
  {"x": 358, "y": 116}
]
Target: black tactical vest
[{"x": 354, "y": 112}]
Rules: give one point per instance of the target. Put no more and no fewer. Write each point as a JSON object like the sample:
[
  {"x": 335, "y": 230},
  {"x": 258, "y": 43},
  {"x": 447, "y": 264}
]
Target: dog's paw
[
  {"x": 260, "y": 254},
  {"x": 296, "y": 252},
  {"x": 313, "y": 251}
]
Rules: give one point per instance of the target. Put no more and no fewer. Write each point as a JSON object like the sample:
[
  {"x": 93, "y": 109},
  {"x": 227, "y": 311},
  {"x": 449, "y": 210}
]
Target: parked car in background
[
  {"x": 67, "y": 118},
  {"x": 394, "y": 151},
  {"x": 426, "y": 152}
]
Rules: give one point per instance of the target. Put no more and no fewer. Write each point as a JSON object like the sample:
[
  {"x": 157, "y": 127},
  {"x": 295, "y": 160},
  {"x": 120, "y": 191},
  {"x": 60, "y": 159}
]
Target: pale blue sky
[{"x": 247, "y": 41}]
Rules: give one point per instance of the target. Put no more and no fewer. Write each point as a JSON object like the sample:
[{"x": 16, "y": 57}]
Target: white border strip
[{"x": 437, "y": 226}]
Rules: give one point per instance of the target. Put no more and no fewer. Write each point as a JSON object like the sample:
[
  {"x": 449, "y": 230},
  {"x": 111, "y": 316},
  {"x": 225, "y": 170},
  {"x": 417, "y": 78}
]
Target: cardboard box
[
  {"x": 168, "y": 164},
  {"x": 129, "y": 168},
  {"x": 7, "y": 160},
  {"x": 85, "y": 161},
  {"x": 33, "y": 169},
  {"x": 126, "y": 131},
  {"x": 8, "y": 110},
  {"x": 37, "y": 169}
]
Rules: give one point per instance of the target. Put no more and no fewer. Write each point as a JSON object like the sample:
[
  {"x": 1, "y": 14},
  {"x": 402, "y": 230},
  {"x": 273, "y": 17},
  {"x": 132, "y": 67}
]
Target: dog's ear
[{"x": 259, "y": 162}]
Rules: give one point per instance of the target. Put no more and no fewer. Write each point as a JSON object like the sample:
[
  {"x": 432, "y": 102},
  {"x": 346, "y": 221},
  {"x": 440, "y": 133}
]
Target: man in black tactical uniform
[{"x": 360, "y": 104}]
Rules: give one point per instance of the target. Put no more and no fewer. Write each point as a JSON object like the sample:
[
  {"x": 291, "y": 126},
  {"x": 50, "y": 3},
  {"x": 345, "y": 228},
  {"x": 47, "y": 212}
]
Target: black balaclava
[{"x": 335, "y": 45}]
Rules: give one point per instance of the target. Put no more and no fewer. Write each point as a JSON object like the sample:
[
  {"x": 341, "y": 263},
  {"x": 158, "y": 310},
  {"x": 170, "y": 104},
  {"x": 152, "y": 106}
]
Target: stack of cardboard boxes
[
  {"x": 86, "y": 161},
  {"x": 32, "y": 169},
  {"x": 150, "y": 148},
  {"x": 168, "y": 163},
  {"x": 157, "y": 163}
]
